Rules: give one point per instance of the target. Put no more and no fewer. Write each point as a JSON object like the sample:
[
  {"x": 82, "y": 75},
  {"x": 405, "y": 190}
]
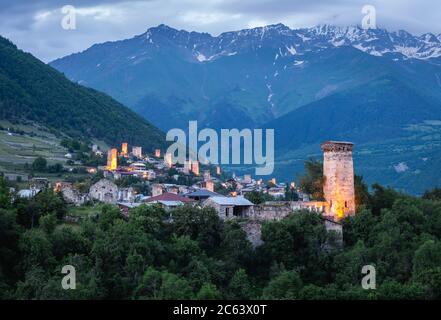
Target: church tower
[{"x": 338, "y": 171}]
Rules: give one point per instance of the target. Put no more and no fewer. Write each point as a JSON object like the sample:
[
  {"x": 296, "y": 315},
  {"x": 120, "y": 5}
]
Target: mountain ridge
[{"x": 425, "y": 46}]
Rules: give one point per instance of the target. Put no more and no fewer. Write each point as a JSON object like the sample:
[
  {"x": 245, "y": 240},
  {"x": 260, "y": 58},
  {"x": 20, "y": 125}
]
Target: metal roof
[
  {"x": 231, "y": 201},
  {"x": 169, "y": 197},
  {"x": 202, "y": 193}
]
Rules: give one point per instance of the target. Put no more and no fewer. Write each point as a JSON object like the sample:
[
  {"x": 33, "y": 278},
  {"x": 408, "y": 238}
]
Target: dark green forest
[
  {"x": 195, "y": 255},
  {"x": 33, "y": 92}
]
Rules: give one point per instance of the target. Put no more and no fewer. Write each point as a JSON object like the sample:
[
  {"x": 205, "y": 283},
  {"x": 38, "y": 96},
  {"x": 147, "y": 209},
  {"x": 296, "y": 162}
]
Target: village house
[
  {"x": 157, "y": 189},
  {"x": 36, "y": 185},
  {"x": 169, "y": 201},
  {"x": 277, "y": 192},
  {"x": 104, "y": 191},
  {"x": 70, "y": 193},
  {"x": 201, "y": 195},
  {"x": 125, "y": 207},
  {"x": 39, "y": 183},
  {"x": 126, "y": 194},
  {"x": 28, "y": 193},
  {"x": 229, "y": 207}
]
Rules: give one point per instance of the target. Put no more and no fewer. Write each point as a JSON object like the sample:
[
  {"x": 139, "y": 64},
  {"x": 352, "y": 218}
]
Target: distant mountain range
[
  {"x": 34, "y": 92},
  {"x": 380, "y": 89}
]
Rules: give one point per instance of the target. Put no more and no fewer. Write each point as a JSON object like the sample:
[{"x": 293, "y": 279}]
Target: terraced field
[{"x": 19, "y": 149}]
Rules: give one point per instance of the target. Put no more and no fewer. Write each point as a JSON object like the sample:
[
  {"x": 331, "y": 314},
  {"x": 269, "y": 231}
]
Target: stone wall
[
  {"x": 264, "y": 212},
  {"x": 277, "y": 210}
]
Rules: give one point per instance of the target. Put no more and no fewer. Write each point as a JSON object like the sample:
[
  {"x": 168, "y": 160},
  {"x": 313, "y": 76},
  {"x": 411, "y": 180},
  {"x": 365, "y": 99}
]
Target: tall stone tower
[
  {"x": 338, "y": 171},
  {"x": 112, "y": 159},
  {"x": 125, "y": 149}
]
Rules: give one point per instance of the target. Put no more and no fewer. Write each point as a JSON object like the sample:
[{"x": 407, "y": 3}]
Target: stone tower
[
  {"x": 112, "y": 159},
  {"x": 125, "y": 149},
  {"x": 338, "y": 171}
]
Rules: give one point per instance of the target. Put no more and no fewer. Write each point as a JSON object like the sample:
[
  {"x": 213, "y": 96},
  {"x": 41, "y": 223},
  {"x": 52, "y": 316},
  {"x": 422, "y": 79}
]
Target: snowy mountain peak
[
  {"x": 285, "y": 42},
  {"x": 376, "y": 42}
]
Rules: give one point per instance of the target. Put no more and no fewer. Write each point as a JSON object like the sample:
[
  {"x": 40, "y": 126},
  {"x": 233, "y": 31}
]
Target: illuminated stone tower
[
  {"x": 338, "y": 170},
  {"x": 112, "y": 159},
  {"x": 125, "y": 149}
]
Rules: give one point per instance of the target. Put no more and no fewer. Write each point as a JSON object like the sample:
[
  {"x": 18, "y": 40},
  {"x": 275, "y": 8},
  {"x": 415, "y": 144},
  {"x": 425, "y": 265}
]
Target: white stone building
[
  {"x": 104, "y": 191},
  {"x": 229, "y": 207}
]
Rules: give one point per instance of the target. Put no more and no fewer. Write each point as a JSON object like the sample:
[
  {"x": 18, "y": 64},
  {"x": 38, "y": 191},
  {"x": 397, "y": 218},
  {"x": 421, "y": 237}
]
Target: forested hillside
[{"x": 32, "y": 91}]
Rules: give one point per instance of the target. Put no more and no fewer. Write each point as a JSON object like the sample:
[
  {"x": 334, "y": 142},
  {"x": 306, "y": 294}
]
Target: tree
[
  {"x": 9, "y": 253},
  {"x": 175, "y": 288},
  {"x": 149, "y": 218},
  {"x": 235, "y": 247},
  {"x": 208, "y": 291},
  {"x": 382, "y": 198},
  {"x": 5, "y": 198},
  {"x": 48, "y": 223},
  {"x": 182, "y": 251},
  {"x": 393, "y": 290},
  {"x": 163, "y": 285},
  {"x": 286, "y": 285},
  {"x": 150, "y": 285},
  {"x": 359, "y": 227},
  {"x": 291, "y": 194},
  {"x": 66, "y": 241},
  {"x": 39, "y": 164},
  {"x": 427, "y": 256},
  {"x": 36, "y": 249},
  {"x": 257, "y": 197},
  {"x": 431, "y": 279},
  {"x": 313, "y": 180},
  {"x": 108, "y": 216},
  {"x": 434, "y": 194},
  {"x": 202, "y": 225},
  {"x": 297, "y": 241},
  {"x": 361, "y": 193},
  {"x": 239, "y": 287}
]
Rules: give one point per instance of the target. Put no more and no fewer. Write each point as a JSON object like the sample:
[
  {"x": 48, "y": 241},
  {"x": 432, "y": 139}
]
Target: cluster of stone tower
[{"x": 338, "y": 171}]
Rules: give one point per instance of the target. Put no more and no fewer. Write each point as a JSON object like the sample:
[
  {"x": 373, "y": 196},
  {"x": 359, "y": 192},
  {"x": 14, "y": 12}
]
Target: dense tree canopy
[{"x": 189, "y": 253}]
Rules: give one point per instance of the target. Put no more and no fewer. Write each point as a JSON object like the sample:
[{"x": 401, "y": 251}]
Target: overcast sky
[{"x": 35, "y": 26}]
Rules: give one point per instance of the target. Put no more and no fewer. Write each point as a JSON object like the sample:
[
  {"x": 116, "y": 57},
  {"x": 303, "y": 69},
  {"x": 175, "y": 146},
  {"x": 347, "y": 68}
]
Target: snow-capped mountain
[
  {"x": 368, "y": 86},
  {"x": 377, "y": 42}
]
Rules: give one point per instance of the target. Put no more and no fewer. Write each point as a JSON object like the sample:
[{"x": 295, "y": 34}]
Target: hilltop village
[{"x": 172, "y": 185}]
